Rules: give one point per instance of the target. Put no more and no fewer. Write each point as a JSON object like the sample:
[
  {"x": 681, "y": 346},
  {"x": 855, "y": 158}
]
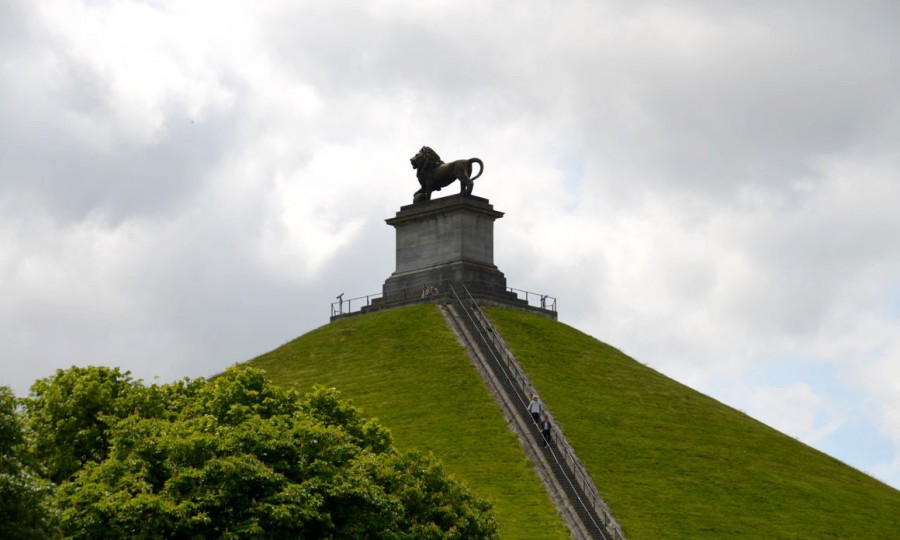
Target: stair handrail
[{"x": 524, "y": 384}]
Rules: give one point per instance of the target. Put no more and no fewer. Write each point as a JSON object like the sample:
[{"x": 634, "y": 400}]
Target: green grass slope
[
  {"x": 405, "y": 367},
  {"x": 674, "y": 463}
]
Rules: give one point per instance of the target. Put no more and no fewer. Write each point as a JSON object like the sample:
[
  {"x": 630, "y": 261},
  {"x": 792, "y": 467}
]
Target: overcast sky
[{"x": 712, "y": 187}]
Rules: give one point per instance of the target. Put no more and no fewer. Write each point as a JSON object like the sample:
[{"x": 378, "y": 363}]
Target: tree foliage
[
  {"x": 23, "y": 496},
  {"x": 234, "y": 457},
  {"x": 69, "y": 415}
]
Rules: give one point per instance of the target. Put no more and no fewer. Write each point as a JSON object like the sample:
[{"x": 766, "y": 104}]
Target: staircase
[{"x": 566, "y": 479}]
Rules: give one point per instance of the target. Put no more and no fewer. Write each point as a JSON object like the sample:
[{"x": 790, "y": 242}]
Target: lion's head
[{"x": 426, "y": 161}]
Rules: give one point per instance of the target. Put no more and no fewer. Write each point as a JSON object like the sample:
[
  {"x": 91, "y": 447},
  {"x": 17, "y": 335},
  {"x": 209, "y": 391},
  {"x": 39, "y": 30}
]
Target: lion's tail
[{"x": 480, "y": 165}]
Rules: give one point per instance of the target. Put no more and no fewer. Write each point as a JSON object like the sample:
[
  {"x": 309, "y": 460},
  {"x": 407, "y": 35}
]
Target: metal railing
[
  {"x": 516, "y": 376},
  {"x": 401, "y": 296},
  {"x": 343, "y": 307},
  {"x": 543, "y": 301},
  {"x": 431, "y": 291}
]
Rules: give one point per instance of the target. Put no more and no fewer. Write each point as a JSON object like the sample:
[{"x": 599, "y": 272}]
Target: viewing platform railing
[
  {"x": 345, "y": 307},
  {"x": 427, "y": 293},
  {"x": 543, "y": 301}
]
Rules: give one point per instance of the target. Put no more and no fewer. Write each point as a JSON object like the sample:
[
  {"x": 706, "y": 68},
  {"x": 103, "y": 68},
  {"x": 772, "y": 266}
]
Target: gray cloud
[{"x": 709, "y": 187}]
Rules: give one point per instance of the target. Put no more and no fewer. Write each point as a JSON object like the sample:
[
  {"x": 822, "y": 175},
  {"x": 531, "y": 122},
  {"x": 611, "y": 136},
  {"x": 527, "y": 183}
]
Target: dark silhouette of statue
[{"x": 434, "y": 174}]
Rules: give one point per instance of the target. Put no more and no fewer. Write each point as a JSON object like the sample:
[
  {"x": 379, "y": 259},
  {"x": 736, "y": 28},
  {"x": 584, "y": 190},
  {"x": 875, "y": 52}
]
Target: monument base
[
  {"x": 475, "y": 277},
  {"x": 446, "y": 240}
]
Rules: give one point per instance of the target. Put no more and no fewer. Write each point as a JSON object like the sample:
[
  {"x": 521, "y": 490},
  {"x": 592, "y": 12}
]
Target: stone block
[{"x": 446, "y": 239}]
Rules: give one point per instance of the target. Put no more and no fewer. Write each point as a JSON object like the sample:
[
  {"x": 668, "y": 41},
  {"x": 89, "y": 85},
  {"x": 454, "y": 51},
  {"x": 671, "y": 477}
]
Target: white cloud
[
  {"x": 711, "y": 188},
  {"x": 796, "y": 410}
]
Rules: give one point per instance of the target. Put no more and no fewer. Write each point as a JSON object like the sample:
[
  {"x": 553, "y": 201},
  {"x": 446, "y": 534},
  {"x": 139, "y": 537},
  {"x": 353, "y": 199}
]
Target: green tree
[
  {"x": 237, "y": 457},
  {"x": 70, "y": 413},
  {"x": 23, "y": 511}
]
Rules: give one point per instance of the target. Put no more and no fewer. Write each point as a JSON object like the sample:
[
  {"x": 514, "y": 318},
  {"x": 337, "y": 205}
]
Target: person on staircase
[
  {"x": 536, "y": 408},
  {"x": 545, "y": 430}
]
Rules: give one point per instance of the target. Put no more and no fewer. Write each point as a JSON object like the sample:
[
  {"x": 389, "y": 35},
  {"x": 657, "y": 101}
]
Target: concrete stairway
[{"x": 567, "y": 482}]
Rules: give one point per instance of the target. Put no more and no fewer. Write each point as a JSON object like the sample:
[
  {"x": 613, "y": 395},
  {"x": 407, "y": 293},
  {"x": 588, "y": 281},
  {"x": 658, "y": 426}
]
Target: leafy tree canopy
[
  {"x": 23, "y": 509},
  {"x": 234, "y": 457},
  {"x": 69, "y": 413}
]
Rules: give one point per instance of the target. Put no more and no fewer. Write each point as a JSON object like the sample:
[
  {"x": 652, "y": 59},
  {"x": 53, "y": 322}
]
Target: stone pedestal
[{"x": 446, "y": 239}]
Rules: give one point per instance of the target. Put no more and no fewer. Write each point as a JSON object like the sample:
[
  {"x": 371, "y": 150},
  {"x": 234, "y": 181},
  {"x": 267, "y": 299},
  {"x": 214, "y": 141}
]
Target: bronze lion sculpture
[{"x": 434, "y": 174}]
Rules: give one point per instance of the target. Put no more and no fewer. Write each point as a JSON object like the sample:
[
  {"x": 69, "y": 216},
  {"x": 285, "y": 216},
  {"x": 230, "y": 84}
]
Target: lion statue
[{"x": 434, "y": 174}]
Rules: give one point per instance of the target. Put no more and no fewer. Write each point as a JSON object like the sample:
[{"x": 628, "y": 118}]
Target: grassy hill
[
  {"x": 671, "y": 462},
  {"x": 674, "y": 463},
  {"x": 404, "y": 367}
]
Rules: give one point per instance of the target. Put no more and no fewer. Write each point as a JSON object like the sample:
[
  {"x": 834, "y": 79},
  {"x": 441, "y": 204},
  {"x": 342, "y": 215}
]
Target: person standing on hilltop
[{"x": 536, "y": 408}]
